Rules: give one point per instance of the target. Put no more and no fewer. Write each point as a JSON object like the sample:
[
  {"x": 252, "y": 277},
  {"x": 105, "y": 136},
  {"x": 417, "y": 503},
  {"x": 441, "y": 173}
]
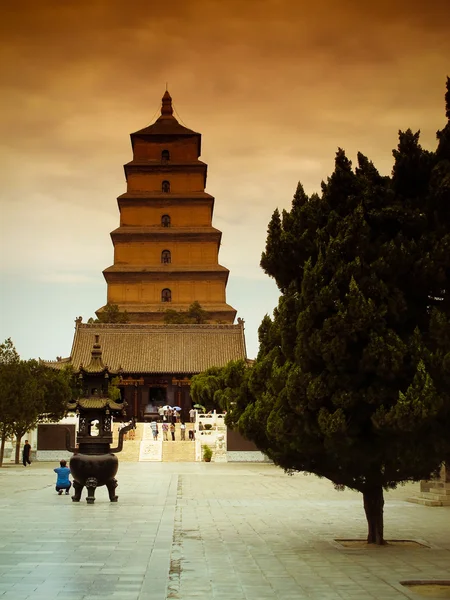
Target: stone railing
[{"x": 213, "y": 433}]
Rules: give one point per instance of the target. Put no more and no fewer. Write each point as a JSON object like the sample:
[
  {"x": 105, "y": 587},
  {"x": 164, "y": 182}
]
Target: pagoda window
[
  {"x": 166, "y": 295},
  {"x": 165, "y": 256},
  {"x": 165, "y": 186},
  {"x": 165, "y": 221},
  {"x": 165, "y": 155}
]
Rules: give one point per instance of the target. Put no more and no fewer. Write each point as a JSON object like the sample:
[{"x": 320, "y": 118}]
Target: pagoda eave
[
  {"x": 154, "y": 313},
  {"x": 116, "y": 274},
  {"x": 166, "y": 234},
  {"x": 156, "y": 194}
]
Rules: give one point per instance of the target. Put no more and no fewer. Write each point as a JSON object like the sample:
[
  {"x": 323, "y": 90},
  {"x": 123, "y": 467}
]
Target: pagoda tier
[{"x": 166, "y": 249}]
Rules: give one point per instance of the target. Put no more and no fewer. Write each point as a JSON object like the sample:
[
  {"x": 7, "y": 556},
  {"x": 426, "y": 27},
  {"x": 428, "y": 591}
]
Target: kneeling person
[{"x": 62, "y": 480}]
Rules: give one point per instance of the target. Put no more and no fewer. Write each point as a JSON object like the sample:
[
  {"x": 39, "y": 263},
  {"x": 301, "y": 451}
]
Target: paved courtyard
[{"x": 208, "y": 531}]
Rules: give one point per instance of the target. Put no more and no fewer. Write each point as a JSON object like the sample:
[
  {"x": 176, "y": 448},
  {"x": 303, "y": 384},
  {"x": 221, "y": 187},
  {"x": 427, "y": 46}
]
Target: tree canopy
[
  {"x": 31, "y": 393},
  {"x": 111, "y": 314},
  {"x": 194, "y": 314},
  {"x": 352, "y": 377}
]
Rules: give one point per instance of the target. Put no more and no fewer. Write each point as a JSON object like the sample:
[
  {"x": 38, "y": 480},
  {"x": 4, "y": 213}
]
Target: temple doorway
[
  {"x": 153, "y": 399},
  {"x": 157, "y": 396}
]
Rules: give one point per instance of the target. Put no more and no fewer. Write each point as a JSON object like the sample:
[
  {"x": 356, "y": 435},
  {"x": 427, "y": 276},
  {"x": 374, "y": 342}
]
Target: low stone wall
[
  {"x": 246, "y": 456},
  {"x": 52, "y": 455}
]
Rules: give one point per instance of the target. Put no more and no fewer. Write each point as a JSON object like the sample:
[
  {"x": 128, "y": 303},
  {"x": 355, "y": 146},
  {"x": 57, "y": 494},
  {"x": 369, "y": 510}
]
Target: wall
[
  {"x": 247, "y": 456},
  {"x": 181, "y": 150},
  {"x": 189, "y": 215},
  {"x": 182, "y": 253},
  {"x": 53, "y": 436},
  {"x": 236, "y": 442},
  {"x": 183, "y": 292},
  {"x": 180, "y": 183}
]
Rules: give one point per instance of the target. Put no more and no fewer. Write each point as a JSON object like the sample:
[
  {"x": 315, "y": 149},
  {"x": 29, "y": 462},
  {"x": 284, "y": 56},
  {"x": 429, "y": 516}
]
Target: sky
[{"x": 273, "y": 86}]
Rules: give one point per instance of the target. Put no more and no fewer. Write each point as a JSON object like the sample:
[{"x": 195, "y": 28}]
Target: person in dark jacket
[{"x": 26, "y": 452}]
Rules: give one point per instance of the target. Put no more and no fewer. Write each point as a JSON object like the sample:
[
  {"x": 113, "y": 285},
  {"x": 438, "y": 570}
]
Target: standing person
[
  {"x": 172, "y": 431},
  {"x": 154, "y": 426},
  {"x": 183, "y": 431},
  {"x": 26, "y": 454},
  {"x": 174, "y": 417},
  {"x": 62, "y": 479},
  {"x": 192, "y": 415},
  {"x": 165, "y": 429}
]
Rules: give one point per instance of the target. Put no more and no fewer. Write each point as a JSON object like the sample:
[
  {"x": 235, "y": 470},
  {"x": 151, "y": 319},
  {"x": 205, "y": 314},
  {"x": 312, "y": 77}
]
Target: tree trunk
[
  {"x": 373, "y": 506},
  {"x": 18, "y": 440},
  {"x": 2, "y": 447}
]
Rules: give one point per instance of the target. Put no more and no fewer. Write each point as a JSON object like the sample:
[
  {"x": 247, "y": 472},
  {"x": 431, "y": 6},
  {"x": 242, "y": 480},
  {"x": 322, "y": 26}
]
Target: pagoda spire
[{"x": 166, "y": 107}]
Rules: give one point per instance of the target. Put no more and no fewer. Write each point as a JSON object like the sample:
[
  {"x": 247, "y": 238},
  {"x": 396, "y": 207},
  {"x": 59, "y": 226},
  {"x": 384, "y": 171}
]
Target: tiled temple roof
[
  {"x": 165, "y": 126},
  {"x": 95, "y": 403},
  {"x": 137, "y": 348}
]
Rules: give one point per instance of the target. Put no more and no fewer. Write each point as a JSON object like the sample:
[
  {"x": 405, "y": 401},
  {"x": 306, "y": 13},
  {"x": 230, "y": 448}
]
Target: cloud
[{"x": 274, "y": 86}]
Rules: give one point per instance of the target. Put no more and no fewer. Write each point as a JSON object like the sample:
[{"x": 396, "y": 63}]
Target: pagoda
[
  {"x": 165, "y": 257},
  {"x": 166, "y": 249}
]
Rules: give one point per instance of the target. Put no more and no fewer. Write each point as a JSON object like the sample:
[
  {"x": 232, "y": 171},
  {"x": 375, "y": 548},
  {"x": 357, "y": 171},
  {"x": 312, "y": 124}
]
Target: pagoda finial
[{"x": 166, "y": 108}]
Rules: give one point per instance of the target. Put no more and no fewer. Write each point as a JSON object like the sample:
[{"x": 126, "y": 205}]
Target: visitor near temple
[
  {"x": 62, "y": 478},
  {"x": 26, "y": 454},
  {"x": 154, "y": 426}
]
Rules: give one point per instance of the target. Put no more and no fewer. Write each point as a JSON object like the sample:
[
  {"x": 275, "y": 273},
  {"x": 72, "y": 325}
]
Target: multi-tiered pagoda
[
  {"x": 165, "y": 257},
  {"x": 166, "y": 249}
]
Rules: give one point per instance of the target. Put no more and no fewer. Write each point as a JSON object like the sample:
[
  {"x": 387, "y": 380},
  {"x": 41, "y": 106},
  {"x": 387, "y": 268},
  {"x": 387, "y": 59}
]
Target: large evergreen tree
[{"x": 352, "y": 378}]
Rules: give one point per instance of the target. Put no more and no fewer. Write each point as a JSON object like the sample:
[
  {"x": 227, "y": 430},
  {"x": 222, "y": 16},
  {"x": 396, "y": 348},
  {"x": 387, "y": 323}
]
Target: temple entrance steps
[
  {"x": 131, "y": 444},
  {"x": 130, "y": 451},
  {"x": 178, "y": 451},
  {"x": 172, "y": 451}
]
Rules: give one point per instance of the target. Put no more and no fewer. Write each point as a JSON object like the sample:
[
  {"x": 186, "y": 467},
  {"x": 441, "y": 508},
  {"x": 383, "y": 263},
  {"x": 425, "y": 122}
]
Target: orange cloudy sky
[{"x": 274, "y": 86}]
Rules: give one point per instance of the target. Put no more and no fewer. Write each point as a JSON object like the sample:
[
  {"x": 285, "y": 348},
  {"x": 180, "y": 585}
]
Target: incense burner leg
[
  {"x": 91, "y": 484},
  {"x": 78, "y": 488},
  {"x": 111, "y": 484}
]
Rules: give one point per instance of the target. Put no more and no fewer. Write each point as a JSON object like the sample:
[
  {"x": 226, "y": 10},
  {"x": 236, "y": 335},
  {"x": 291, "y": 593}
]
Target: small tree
[
  {"x": 114, "y": 392},
  {"x": 31, "y": 393},
  {"x": 38, "y": 395},
  {"x": 8, "y": 356},
  {"x": 111, "y": 314},
  {"x": 175, "y": 317},
  {"x": 194, "y": 314}
]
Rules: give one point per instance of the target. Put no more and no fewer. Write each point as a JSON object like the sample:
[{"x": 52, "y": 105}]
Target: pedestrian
[
  {"x": 172, "y": 431},
  {"x": 26, "y": 454},
  {"x": 165, "y": 430},
  {"x": 154, "y": 426},
  {"x": 174, "y": 417},
  {"x": 183, "y": 431},
  {"x": 192, "y": 415},
  {"x": 62, "y": 479}
]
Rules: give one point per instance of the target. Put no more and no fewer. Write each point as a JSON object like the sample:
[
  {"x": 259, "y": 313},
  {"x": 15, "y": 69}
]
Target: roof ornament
[
  {"x": 166, "y": 108},
  {"x": 96, "y": 364}
]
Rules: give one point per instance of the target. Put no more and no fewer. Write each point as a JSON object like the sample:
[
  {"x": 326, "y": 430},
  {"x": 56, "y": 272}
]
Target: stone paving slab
[{"x": 208, "y": 531}]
